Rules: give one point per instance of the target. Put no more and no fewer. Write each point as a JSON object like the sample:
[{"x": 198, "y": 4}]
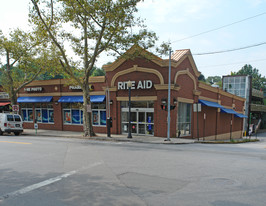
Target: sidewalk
[{"x": 103, "y": 137}]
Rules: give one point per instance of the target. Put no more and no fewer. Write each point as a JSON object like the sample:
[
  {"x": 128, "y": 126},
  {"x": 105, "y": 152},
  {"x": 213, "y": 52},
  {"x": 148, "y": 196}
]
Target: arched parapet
[
  {"x": 135, "y": 68},
  {"x": 186, "y": 72}
]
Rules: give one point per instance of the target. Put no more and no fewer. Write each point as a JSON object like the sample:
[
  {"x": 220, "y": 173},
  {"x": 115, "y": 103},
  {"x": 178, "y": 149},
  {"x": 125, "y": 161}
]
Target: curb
[{"x": 111, "y": 139}]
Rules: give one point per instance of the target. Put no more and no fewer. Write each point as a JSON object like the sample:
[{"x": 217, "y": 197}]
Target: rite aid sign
[{"x": 145, "y": 84}]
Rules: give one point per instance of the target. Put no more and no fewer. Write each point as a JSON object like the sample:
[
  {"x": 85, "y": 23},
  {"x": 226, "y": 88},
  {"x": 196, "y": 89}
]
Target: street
[{"x": 68, "y": 171}]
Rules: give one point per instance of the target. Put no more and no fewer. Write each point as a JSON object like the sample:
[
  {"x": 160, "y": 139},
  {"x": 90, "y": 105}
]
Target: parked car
[{"x": 10, "y": 123}]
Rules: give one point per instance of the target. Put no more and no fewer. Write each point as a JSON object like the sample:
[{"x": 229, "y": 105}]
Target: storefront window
[
  {"x": 44, "y": 116},
  {"x": 99, "y": 117},
  {"x": 27, "y": 115},
  {"x": 76, "y": 116},
  {"x": 103, "y": 117},
  {"x": 184, "y": 118},
  {"x": 51, "y": 115},
  {"x": 73, "y": 114},
  {"x": 44, "y": 113},
  {"x": 99, "y": 114},
  {"x": 95, "y": 118},
  {"x": 26, "y": 112},
  {"x": 67, "y": 116}
]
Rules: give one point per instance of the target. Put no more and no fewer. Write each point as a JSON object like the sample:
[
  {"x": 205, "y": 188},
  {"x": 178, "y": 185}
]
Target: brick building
[
  {"x": 56, "y": 104},
  {"x": 4, "y": 101}
]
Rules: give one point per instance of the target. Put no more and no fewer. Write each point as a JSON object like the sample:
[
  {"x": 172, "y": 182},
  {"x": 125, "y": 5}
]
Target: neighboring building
[
  {"x": 56, "y": 104},
  {"x": 257, "y": 110},
  {"x": 254, "y": 106},
  {"x": 4, "y": 101},
  {"x": 240, "y": 86}
]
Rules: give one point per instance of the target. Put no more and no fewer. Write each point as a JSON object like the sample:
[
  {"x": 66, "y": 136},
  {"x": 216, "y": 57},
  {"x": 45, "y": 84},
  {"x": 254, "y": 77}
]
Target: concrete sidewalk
[{"x": 103, "y": 137}]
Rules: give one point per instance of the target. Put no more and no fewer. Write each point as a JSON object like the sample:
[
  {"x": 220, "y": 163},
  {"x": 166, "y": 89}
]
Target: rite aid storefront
[{"x": 57, "y": 105}]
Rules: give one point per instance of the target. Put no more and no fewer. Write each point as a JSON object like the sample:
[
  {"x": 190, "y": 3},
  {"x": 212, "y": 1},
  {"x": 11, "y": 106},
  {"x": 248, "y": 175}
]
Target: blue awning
[
  {"x": 228, "y": 111},
  {"x": 97, "y": 98},
  {"x": 71, "y": 99},
  {"x": 34, "y": 99},
  {"x": 79, "y": 99},
  {"x": 240, "y": 115},
  {"x": 210, "y": 104}
]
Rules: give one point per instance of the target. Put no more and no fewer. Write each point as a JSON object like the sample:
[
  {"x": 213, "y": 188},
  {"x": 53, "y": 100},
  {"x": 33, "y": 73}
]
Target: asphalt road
[{"x": 57, "y": 171}]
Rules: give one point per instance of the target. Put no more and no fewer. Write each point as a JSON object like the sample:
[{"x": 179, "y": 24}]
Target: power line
[
  {"x": 230, "y": 50},
  {"x": 233, "y": 63},
  {"x": 221, "y": 27}
]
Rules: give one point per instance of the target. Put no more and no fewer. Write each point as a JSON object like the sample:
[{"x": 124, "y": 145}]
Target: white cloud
[
  {"x": 255, "y": 3},
  {"x": 175, "y": 10}
]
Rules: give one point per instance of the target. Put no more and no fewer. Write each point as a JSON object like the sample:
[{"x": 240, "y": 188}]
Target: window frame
[{"x": 185, "y": 119}]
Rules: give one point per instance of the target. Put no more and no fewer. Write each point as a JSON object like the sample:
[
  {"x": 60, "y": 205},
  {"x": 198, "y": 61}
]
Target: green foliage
[
  {"x": 48, "y": 76},
  {"x": 214, "y": 79},
  {"x": 258, "y": 81},
  {"x": 25, "y": 55},
  {"x": 164, "y": 48},
  {"x": 102, "y": 25},
  {"x": 202, "y": 78},
  {"x": 98, "y": 72},
  {"x": 232, "y": 141}
]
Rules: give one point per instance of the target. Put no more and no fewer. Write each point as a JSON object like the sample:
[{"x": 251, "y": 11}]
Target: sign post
[{"x": 35, "y": 125}]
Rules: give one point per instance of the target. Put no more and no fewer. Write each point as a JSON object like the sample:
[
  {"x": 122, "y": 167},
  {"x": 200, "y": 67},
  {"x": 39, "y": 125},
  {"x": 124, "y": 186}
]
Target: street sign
[
  {"x": 35, "y": 126},
  {"x": 15, "y": 108},
  {"x": 197, "y": 107},
  {"x": 89, "y": 108}
]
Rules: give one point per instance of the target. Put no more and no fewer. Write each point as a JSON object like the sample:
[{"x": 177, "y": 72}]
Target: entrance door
[{"x": 141, "y": 121}]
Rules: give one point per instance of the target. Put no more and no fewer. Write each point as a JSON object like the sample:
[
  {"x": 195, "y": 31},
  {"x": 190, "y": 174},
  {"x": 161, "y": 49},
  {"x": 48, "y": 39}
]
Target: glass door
[{"x": 141, "y": 121}]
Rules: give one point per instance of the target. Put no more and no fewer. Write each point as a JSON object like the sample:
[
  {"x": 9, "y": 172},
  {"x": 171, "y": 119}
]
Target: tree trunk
[
  {"x": 87, "y": 117},
  {"x": 87, "y": 122},
  {"x": 13, "y": 97},
  {"x": 10, "y": 83}
]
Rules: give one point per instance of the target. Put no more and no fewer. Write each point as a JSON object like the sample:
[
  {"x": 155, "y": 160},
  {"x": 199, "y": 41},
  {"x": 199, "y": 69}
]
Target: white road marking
[{"x": 46, "y": 182}]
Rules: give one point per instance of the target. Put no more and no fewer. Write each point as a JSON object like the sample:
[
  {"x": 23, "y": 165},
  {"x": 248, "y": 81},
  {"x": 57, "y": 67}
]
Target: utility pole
[{"x": 169, "y": 98}]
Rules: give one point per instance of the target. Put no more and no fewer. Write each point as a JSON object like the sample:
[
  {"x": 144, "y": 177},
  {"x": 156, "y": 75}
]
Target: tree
[
  {"x": 258, "y": 81},
  {"x": 214, "y": 79},
  {"x": 202, "y": 78},
  {"x": 94, "y": 26},
  {"x": 98, "y": 72},
  {"x": 217, "y": 80},
  {"x": 25, "y": 57}
]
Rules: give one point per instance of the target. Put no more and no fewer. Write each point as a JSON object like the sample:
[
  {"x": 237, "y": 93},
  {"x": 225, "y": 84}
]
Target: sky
[{"x": 180, "y": 22}]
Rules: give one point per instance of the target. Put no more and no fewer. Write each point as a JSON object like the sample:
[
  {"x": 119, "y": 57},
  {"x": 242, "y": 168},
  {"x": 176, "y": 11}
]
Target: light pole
[
  {"x": 169, "y": 97},
  {"x": 129, "y": 85}
]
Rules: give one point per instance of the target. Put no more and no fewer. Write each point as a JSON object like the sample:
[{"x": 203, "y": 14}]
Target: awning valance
[
  {"x": 34, "y": 99},
  {"x": 97, "y": 98},
  {"x": 4, "y": 103},
  {"x": 210, "y": 104},
  {"x": 79, "y": 99},
  {"x": 71, "y": 99},
  {"x": 240, "y": 115},
  {"x": 228, "y": 111}
]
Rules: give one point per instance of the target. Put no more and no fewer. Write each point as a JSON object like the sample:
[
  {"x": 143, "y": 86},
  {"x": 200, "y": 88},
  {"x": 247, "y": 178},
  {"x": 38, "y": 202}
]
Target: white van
[{"x": 11, "y": 123}]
